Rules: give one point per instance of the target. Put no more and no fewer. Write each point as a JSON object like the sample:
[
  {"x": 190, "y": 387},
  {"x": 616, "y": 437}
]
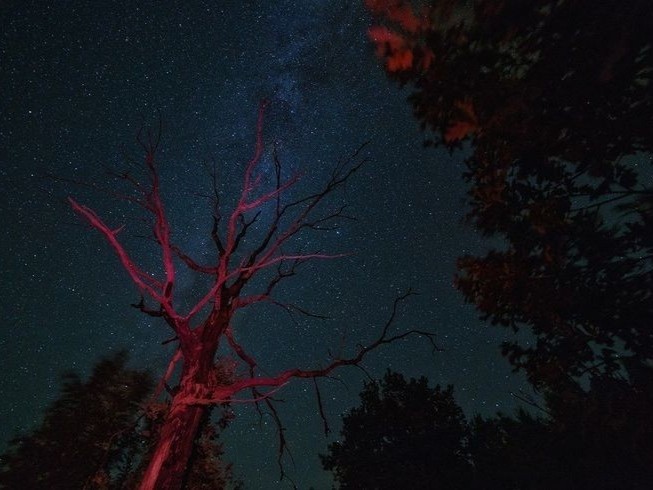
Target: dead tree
[{"x": 200, "y": 330}]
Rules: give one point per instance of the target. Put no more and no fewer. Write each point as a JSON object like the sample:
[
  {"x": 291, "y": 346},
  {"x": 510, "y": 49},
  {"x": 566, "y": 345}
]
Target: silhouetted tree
[
  {"x": 407, "y": 435},
  {"x": 90, "y": 428},
  {"x": 556, "y": 100},
  {"x": 403, "y": 435},
  {"x": 599, "y": 439},
  {"x": 249, "y": 253},
  {"x": 516, "y": 454},
  {"x": 97, "y": 435},
  {"x": 604, "y": 435}
]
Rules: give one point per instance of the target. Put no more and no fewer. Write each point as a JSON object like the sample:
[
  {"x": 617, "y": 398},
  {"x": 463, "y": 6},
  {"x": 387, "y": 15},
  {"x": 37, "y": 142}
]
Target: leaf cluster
[{"x": 556, "y": 99}]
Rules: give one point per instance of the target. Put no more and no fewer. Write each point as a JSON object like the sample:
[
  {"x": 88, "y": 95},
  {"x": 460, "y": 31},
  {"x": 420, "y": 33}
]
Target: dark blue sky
[{"x": 79, "y": 78}]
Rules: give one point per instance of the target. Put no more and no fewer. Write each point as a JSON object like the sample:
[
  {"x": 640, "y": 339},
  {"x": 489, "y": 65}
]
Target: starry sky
[{"x": 80, "y": 78}]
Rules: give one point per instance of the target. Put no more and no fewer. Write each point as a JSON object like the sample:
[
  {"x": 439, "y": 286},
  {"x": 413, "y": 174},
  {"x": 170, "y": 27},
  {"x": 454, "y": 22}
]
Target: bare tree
[{"x": 200, "y": 330}]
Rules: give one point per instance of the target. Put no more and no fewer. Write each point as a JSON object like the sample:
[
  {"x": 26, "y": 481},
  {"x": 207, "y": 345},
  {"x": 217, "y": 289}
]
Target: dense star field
[{"x": 80, "y": 78}]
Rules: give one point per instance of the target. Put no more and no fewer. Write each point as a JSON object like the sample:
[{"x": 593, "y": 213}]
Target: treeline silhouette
[
  {"x": 405, "y": 434},
  {"x": 99, "y": 435},
  {"x": 554, "y": 103}
]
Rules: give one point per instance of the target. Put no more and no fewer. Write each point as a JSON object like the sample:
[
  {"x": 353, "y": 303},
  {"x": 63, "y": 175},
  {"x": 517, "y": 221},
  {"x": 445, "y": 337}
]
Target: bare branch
[
  {"x": 240, "y": 352},
  {"x": 321, "y": 408},
  {"x": 283, "y": 445},
  {"x": 351, "y": 361},
  {"x": 201, "y": 383},
  {"x": 283, "y": 377},
  {"x": 141, "y": 306},
  {"x": 190, "y": 263},
  {"x": 178, "y": 356}
]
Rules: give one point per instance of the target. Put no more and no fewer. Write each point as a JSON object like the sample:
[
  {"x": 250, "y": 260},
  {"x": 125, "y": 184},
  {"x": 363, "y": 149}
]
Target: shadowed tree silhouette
[
  {"x": 403, "y": 435},
  {"x": 407, "y": 435},
  {"x": 556, "y": 100},
  {"x": 553, "y": 102},
  {"x": 515, "y": 453},
  {"x": 91, "y": 426},
  {"x": 98, "y": 433},
  {"x": 599, "y": 439}
]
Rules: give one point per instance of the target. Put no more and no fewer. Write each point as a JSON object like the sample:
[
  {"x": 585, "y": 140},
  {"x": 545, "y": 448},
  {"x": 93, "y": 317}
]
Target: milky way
[{"x": 79, "y": 79}]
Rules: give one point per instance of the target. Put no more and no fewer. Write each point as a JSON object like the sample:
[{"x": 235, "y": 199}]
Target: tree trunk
[
  {"x": 169, "y": 463},
  {"x": 167, "y": 468}
]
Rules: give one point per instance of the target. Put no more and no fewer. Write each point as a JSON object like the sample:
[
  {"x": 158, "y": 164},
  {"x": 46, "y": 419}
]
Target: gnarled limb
[{"x": 201, "y": 383}]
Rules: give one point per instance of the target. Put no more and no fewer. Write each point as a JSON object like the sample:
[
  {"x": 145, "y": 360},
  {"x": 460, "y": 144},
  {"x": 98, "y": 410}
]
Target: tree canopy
[
  {"x": 599, "y": 439},
  {"x": 407, "y": 435},
  {"x": 86, "y": 429},
  {"x": 555, "y": 100},
  {"x": 99, "y": 435},
  {"x": 402, "y": 433}
]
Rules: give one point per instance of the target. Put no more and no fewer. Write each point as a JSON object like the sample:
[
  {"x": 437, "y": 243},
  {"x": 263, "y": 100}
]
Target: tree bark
[{"x": 169, "y": 463}]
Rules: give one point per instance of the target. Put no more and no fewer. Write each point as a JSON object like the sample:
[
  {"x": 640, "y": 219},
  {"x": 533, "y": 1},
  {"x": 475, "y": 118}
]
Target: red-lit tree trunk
[
  {"x": 201, "y": 383},
  {"x": 169, "y": 462},
  {"x": 180, "y": 429}
]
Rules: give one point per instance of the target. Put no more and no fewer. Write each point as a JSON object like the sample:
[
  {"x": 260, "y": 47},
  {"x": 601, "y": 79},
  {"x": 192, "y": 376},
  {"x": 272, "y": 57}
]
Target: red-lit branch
[
  {"x": 225, "y": 393},
  {"x": 144, "y": 281},
  {"x": 201, "y": 382}
]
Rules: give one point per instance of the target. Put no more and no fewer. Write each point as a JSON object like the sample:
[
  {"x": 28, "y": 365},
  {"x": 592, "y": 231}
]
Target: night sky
[{"x": 79, "y": 79}]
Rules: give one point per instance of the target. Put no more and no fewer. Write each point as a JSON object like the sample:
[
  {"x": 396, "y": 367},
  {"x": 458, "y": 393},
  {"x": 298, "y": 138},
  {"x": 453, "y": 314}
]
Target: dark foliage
[
  {"x": 556, "y": 99},
  {"x": 90, "y": 427},
  {"x": 599, "y": 439},
  {"x": 98, "y": 433},
  {"x": 404, "y": 435},
  {"x": 208, "y": 470}
]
